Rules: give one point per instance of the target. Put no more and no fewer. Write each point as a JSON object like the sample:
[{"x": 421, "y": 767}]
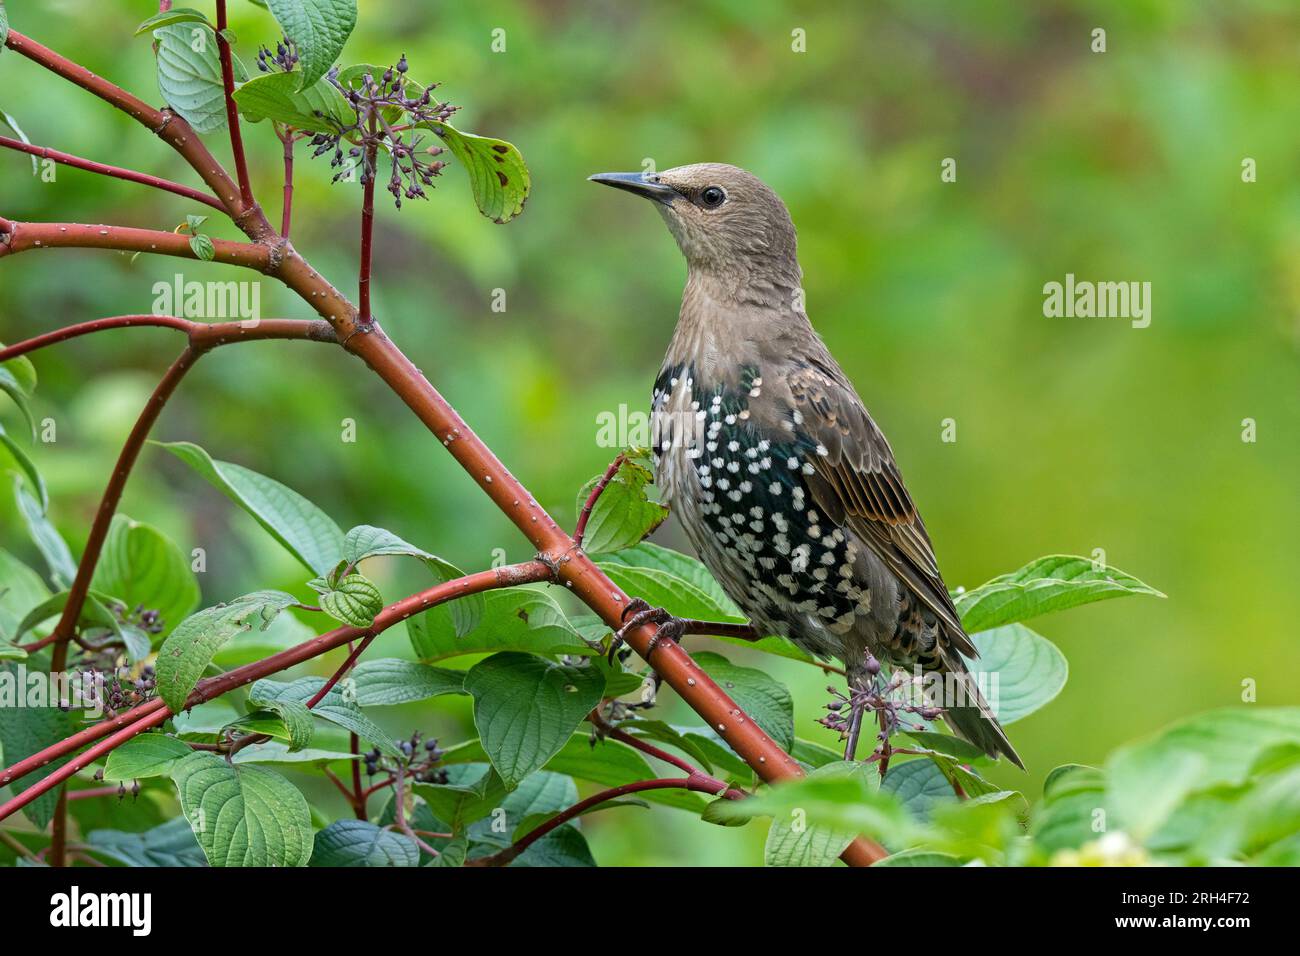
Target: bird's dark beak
[{"x": 637, "y": 183}]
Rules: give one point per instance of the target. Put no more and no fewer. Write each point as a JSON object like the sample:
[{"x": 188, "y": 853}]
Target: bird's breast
[{"x": 739, "y": 491}]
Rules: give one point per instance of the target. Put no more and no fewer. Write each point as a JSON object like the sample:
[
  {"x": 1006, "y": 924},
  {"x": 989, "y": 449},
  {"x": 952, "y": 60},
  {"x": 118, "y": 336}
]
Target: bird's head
[{"x": 725, "y": 220}]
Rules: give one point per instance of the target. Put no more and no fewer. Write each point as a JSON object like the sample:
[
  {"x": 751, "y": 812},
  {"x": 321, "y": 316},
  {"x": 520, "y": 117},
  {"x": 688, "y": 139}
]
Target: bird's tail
[{"x": 973, "y": 720}]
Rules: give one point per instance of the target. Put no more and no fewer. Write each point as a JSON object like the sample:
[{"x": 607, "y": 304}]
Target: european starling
[{"x": 785, "y": 486}]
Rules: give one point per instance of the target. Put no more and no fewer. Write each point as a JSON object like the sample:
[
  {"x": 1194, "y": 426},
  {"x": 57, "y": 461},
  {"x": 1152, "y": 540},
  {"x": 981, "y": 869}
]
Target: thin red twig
[
  {"x": 116, "y": 172},
  {"x": 580, "y": 529},
  {"x": 232, "y": 111},
  {"x": 694, "y": 782}
]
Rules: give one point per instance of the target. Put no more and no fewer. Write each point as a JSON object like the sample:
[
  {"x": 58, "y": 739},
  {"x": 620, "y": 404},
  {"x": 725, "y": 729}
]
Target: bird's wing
[{"x": 857, "y": 482}]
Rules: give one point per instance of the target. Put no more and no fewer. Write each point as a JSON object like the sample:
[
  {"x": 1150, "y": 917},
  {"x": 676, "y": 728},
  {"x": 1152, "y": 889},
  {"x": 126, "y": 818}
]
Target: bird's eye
[{"x": 711, "y": 197}]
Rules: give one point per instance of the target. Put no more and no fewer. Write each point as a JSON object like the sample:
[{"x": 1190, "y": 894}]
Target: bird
[{"x": 778, "y": 475}]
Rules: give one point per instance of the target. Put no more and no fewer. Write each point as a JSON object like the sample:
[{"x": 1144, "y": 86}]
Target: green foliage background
[{"x": 1073, "y": 434}]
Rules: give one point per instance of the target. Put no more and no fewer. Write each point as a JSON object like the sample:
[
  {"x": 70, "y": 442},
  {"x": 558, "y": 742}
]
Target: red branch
[{"x": 117, "y": 172}]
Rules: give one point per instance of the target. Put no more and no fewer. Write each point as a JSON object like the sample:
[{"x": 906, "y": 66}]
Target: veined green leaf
[
  {"x": 187, "y": 652},
  {"x": 353, "y": 600},
  {"x": 526, "y": 708},
  {"x": 308, "y": 533},
  {"x": 189, "y": 74},
  {"x": 48, "y": 541},
  {"x": 498, "y": 176},
  {"x": 168, "y": 17},
  {"x": 243, "y": 815},
  {"x": 143, "y": 567},
  {"x": 393, "y": 681},
  {"x": 148, "y": 755},
  {"x": 319, "y": 28},
  {"x": 1018, "y": 670},
  {"x": 361, "y": 843},
  {"x": 276, "y": 96},
  {"x": 1053, "y": 583},
  {"x": 512, "y": 619}
]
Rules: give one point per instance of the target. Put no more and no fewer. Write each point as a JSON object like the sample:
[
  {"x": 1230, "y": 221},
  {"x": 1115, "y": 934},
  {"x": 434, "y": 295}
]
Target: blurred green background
[{"x": 1072, "y": 434}]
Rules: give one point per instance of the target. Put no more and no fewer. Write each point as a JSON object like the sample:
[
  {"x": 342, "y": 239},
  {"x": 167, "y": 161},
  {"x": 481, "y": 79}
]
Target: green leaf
[
  {"x": 461, "y": 804},
  {"x": 273, "y": 751},
  {"x": 168, "y": 17},
  {"x": 21, "y": 588},
  {"x": 759, "y": 695},
  {"x": 4, "y": 25},
  {"x": 319, "y": 28},
  {"x": 9, "y": 652},
  {"x": 919, "y": 785},
  {"x": 17, "y": 377},
  {"x": 526, "y": 708},
  {"x": 498, "y": 176},
  {"x": 537, "y": 797},
  {"x": 170, "y": 844},
  {"x": 622, "y": 515},
  {"x": 392, "y": 681},
  {"x": 203, "y": 248},
  {"x": 1146, "y": 781},
  {"x": 361, "y": 843},
  {"x": 243, "y": 816},
  {"x": 28, "y": 467},
  {"x": 664, "y": 589},
  {"x": 148, "y": 755},
  {"x": 187, "y": 652},
  {"x": 189, "y": 74},
  {"x": 12, "y": 123},
  {"x": 143, "y": 567},
  {"x": 336, "y": 707},
  {"x": 48, "y": 541},
  {"x": 804, "y": 845},
  {"x": 28, "y": 730},
  {"x": 512, "y": 619},
  {"x": 1072, "y": 809},
  {"x": 308, "y": 533},
  {"x": 1021, "y": 670},
  {"x": 354, "y": 600},
  {"x": 297, "y": 721},
  {"x": 1053, "y": 583},
  {"x": 276, "y": 96}
]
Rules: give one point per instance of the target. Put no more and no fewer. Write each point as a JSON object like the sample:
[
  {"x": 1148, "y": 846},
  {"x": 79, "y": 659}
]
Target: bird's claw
[{"x": 637, "y": 613}]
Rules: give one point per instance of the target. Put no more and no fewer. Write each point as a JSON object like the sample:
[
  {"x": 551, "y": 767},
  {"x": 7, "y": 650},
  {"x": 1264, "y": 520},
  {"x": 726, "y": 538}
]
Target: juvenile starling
[{"x": 767, "y": 456}]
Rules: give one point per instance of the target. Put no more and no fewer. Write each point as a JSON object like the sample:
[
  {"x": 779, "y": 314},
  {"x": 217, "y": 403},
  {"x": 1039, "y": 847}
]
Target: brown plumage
[{"x": 769, "y": 459}]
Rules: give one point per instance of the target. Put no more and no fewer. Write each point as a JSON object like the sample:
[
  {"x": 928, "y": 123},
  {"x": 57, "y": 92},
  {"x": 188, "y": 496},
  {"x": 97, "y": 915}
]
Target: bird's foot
[
  {"x": 637, "y": 613},
  {"x": 672, "y": 628}
]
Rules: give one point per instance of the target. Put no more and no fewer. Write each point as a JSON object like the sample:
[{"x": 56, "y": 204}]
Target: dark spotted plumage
[{"x": 781, "y": 480}]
